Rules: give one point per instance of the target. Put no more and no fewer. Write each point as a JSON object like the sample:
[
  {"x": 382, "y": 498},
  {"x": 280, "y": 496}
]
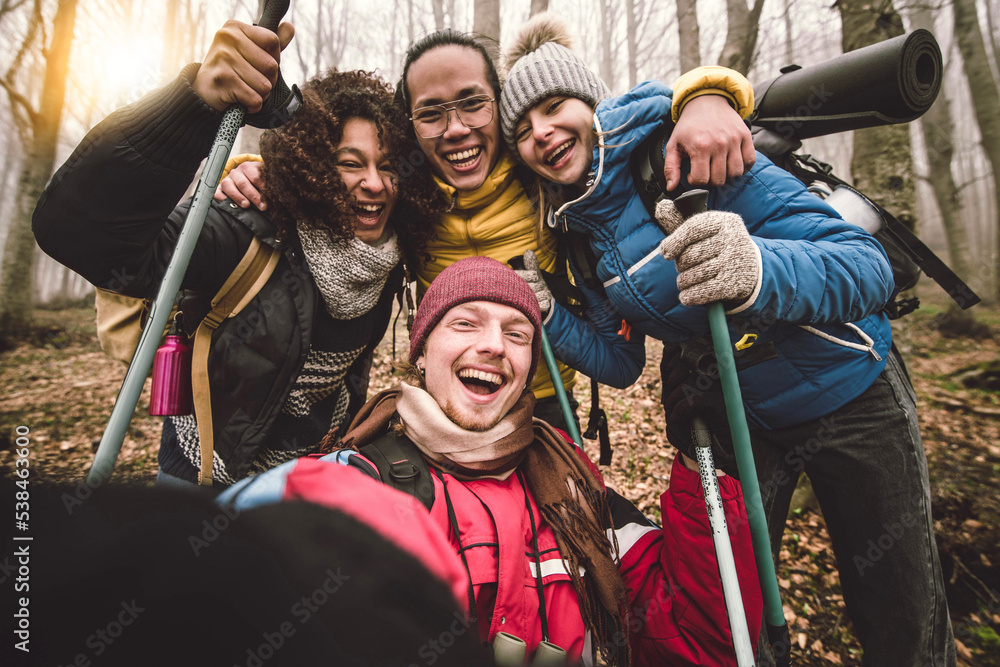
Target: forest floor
[{"x": 61, "y": 387}]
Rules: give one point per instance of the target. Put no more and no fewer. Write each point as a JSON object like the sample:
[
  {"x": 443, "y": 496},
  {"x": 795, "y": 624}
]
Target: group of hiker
[{"x": 530, "y": 160}]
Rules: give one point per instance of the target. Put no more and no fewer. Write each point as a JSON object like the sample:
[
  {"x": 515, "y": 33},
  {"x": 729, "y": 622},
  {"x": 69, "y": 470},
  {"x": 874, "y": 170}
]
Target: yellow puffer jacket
[{"x": 497, "y": 220}]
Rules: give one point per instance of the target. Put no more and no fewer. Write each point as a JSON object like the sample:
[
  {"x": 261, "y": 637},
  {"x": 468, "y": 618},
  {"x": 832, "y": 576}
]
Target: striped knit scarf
[
  {"x": 349, "y": 276},
  {"x": 572, "y": 500}
]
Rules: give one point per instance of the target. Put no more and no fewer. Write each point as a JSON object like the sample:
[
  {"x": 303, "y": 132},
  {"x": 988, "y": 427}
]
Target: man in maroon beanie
[{"x": 554, "y": 558}]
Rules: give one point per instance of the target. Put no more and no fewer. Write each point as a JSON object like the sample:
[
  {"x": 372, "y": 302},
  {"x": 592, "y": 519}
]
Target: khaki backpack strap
[{"x": 243, "y": 284}]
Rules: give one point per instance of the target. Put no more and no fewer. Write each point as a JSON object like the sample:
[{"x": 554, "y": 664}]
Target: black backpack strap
[
  {"x": 907, "y": 253},
  {"x": 401, "y": 466},
  {"x": 597, "y": 424},
  {"x": 647, "y": 164}
]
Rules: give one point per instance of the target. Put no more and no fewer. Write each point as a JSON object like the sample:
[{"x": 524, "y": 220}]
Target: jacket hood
[{"x": 624, "y": 122}]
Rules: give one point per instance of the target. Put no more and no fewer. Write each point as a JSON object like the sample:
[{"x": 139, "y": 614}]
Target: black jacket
[{"x": 109, "y": 214}]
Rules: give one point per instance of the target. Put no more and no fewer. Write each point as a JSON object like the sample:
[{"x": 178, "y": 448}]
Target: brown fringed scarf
[{"x": 571, "y": 499}]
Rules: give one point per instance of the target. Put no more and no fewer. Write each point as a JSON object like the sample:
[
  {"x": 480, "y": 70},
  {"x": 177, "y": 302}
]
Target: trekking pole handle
[
  {"x": 271, "y": 13},
  {"x": 282, "y": 102},
  {"x": 688, "y": 204}
]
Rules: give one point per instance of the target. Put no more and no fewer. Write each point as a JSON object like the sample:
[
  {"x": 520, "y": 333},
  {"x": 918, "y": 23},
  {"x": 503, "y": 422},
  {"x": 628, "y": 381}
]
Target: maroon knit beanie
[{"x": 475, "y": 279}]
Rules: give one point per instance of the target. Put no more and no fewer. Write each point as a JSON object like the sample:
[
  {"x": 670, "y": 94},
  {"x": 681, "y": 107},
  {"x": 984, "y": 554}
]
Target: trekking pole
[
  {"x": 550, "y": 362},
  {"x": 271, "y": 12},
  {"x": 723, "y": 546},
  {"x": 689, "y": 203}
]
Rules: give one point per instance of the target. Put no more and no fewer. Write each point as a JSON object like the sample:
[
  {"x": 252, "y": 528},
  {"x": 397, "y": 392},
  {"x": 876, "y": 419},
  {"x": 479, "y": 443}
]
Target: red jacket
[{"x": 677, "y": 612}]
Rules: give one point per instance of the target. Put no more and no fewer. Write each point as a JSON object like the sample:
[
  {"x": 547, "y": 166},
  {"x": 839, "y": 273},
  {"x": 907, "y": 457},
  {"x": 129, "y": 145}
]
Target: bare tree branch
[
  {"x": 8, "y": 6},
  {"x": 338, "y": 40},
  {"x": 21, "y": 111},
  {"x": 29, "y": 38}
]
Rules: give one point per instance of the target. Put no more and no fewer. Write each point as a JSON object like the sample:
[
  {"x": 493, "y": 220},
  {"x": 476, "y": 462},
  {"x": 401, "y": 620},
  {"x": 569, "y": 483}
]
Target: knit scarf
[
  {"x": 572, "y": 500},
  {"x": 350, "y": 276}
]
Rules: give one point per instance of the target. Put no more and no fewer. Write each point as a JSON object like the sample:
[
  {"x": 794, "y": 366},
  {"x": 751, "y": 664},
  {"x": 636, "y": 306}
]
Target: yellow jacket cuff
[{"x": 713, "y": 80}]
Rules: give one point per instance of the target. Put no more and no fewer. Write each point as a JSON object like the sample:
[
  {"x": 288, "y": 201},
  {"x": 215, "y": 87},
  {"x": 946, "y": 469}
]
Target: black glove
[{"x": 691, "y": 387}]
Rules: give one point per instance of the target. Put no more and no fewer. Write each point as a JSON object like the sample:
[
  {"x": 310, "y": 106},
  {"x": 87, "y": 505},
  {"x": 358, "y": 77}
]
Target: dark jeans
[
  {"x": 866, "y": 463},
  {"x": 548, "y": 409}
]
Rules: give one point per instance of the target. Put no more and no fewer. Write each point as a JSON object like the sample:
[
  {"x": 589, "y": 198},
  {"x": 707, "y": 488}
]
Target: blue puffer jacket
[{"x": 817, "y": 308}]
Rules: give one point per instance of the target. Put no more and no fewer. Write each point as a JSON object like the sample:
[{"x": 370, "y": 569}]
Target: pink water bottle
[{"x": 171, "y": 392}]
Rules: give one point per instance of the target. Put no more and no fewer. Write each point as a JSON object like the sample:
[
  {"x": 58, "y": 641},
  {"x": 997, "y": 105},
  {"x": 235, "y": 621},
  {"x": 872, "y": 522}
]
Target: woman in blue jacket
[{"x": 824, "y": 390}]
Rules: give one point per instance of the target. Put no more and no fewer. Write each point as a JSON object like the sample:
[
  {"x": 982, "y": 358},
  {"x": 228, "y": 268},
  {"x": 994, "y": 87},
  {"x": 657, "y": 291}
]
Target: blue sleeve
[
  {"x": 592, "y": 344},
  {"x": 268, "y": 488},
  {"x": 816, "y": 266}
]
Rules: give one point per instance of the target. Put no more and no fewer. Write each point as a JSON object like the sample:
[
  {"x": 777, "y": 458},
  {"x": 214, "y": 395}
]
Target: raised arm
[
  {"x": 709, "y": 105},
  {"x": 107, "y": 211},
  {"x": 815, "y": 267},
  {"x": 600, "y": 344}
]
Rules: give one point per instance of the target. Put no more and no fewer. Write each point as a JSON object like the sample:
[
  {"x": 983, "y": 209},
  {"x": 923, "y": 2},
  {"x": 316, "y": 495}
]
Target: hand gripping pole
[{"x": 690, "y": 203}]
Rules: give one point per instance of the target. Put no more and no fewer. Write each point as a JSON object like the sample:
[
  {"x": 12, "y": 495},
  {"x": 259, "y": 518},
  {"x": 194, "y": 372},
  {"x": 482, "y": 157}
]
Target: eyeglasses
[{"x": 432, "y": 121}]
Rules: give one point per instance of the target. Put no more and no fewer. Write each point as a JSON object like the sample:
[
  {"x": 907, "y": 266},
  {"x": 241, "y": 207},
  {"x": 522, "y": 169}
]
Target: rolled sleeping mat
[{"x": 894, "y": 81}]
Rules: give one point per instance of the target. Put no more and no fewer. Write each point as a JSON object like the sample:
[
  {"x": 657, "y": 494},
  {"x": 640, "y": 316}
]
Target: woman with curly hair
[{"x": 293, "y": 363}]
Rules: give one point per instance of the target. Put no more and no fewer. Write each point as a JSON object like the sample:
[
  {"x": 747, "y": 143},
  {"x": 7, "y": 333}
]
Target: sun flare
[{"x": 113, "y": 73}]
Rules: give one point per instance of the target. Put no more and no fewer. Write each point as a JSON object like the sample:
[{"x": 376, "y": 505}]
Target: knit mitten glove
[
  {"x": 533, "y": 276},
  {"x": 716, "y": 258}
]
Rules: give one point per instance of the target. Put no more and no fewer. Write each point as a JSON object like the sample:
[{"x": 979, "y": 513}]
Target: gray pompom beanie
[{"x": 551, "y": 69}]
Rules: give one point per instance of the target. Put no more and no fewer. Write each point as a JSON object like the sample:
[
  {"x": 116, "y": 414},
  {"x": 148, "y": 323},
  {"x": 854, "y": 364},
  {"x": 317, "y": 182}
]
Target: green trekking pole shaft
[
  {"x": 773, "y": 613},
  {"x": 696, "y": 201},
  {"x": 142, "y": 360},
  {"x": 550, "y": 362}
]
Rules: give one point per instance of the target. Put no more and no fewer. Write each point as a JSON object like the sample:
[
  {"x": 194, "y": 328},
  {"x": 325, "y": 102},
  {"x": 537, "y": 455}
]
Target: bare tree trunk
[
  {"x": 393, "y": 27},
  {"x": 170, "y": 61},
  {"x": 938, "y": 128},
  {"x": 338, "y": 42},
  {"x": 606, "y": 64},
  {"x": 985, "y": 102},
  {"x": 409, "y": 21},
  {"x": 632, "y": 38},
  {"x": 486, "y": 19},
  {"x": 538, "y": 6},
  {"x": 688, "y": 34},
  {"x": 320, "y": 28},
  {"x": 450, "y": 13},
  {"x": 19, "y": 253},
  {"x": 882, "y": 165},
  {"x": 741, "y": 37},
  {"x": 11, "y": 160},
  {"x": 438, "y": 7},
  {"x": 991, "y": 30},
  {"x": 789, "y": 42},
  {"x": 199, "y": 38}
]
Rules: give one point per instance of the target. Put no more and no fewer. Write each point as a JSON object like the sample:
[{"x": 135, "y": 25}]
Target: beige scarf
[{"x": 491, "y": 453}]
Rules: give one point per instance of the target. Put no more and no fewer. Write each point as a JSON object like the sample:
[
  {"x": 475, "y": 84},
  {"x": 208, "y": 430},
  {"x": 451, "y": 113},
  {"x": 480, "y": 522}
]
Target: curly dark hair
[{"x": 302, "y": 184}]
